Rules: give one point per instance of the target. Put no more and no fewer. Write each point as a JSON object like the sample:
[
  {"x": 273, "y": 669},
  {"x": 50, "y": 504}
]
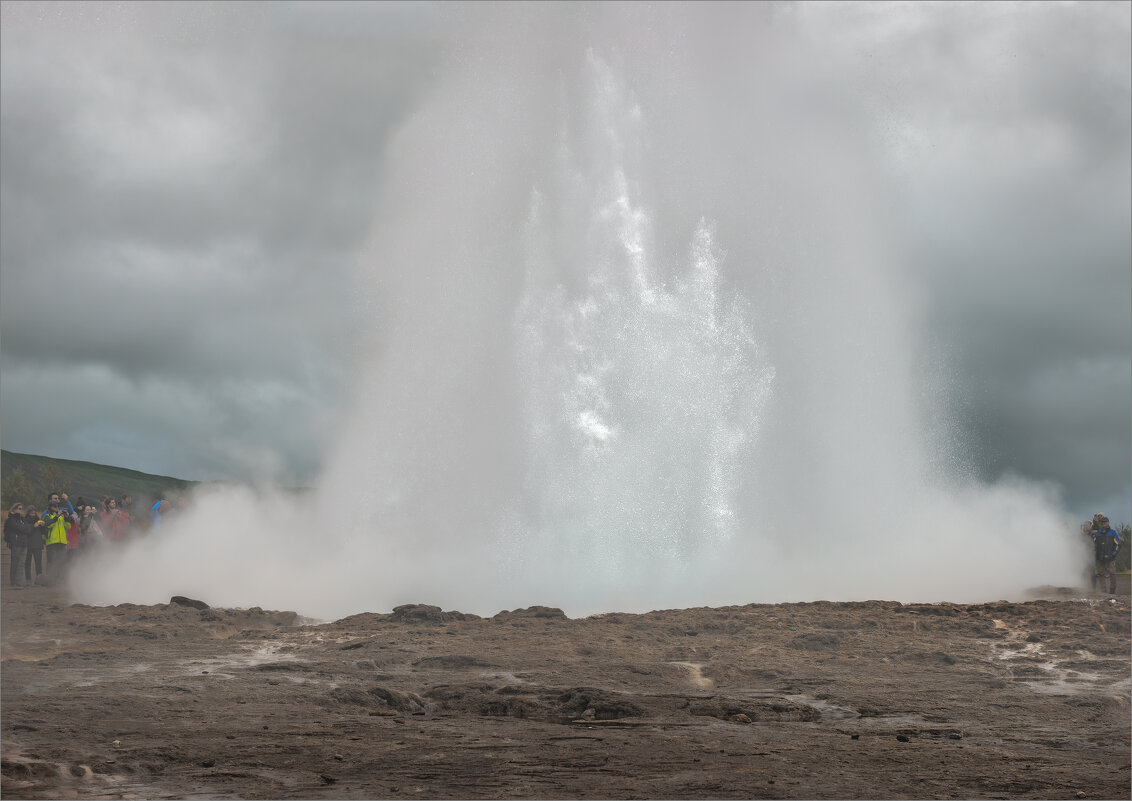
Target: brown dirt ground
[{"x": 817, "y": 700}]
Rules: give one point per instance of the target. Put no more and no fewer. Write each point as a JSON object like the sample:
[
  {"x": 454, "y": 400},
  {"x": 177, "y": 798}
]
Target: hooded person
[{"x": 1106, "y": 545}]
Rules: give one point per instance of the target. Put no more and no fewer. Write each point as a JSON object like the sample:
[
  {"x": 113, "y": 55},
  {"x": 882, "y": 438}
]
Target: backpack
[{"x": 1105, "y": 545}]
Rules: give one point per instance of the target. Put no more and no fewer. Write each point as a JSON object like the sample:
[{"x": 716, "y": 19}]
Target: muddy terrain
[{"x": 819, "y": 700}]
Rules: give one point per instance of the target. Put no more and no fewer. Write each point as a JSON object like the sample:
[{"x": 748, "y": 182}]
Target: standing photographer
[
  {"x": 35, "y": 539},
  {"x": 17, "y": 532},
  {"x": 114, "y": 520},
  {"x": 58, "y": 516}
]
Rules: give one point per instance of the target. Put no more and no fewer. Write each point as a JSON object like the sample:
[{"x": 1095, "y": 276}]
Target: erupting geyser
[
  {"x": 640, "y": 399},
  {"x": 641, "y": 339}
]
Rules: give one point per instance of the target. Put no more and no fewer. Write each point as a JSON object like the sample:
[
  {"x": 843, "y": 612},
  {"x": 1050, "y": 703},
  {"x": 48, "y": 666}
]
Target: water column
[{"x": 643, "y": 386}]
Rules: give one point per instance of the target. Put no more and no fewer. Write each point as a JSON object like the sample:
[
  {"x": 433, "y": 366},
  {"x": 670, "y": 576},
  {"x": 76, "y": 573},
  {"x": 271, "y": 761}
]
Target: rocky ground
[{"x": 819, "y": 700}]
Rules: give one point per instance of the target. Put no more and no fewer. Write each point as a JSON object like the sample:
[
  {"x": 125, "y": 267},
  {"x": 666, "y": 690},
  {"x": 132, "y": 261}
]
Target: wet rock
[
  {"x": 544, "y": 611},
  {"x": 454, "y": 662},
  {"x": 480, "y": 698},
  {"x": 930, "y": 657},
  {"x": 448, "y": 693},
  {"x": 351, "y": 696},
  {"x": 520, "y": 701},
  {"x": 395, "y": 699},
  {"x": 26, "y": 770},
  {"x": 379, "y": 698},
  {"x": 771, "y": 710},
  {"x": 360, "y": 622},
  {"x": 513, "y": 708},
  {"x": 938, "y": 610},
  {"x": 290, "y": 667},
  {"x": 181, "y": 600},
  {"x": 285, "y": 618},
  {"x": 424, "y": 613},
  {"x": 605, "y": 705},
  {"x": 548, "y": 612}
]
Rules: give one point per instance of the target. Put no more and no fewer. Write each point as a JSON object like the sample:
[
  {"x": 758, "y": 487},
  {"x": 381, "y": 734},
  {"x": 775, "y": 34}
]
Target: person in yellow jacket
[{"x": 56, "y": 518}]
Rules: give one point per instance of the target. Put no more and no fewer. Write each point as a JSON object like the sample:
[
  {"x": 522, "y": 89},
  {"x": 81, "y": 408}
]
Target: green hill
[{"x": 26, "y": 478}]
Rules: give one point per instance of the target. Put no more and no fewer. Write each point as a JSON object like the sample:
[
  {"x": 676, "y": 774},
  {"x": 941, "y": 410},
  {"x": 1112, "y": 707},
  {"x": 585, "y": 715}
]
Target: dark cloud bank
[{"x": 187, "y": 187}]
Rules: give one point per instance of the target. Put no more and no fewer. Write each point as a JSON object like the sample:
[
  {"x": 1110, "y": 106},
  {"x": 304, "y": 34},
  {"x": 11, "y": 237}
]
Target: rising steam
[{"x": 639, "y": 340}]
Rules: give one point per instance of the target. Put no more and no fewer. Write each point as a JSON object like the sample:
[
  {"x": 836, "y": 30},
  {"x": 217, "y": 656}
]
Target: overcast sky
[{"x": 185, "y": 190}]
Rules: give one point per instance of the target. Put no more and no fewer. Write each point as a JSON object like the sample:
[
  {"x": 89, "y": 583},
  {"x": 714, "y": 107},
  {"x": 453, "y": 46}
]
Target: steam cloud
[{"x": 640, "y": 339}]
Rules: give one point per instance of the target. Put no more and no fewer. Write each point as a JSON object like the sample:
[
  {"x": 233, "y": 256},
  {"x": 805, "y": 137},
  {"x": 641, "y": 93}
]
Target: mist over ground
[{"x": 645, "y": 324}]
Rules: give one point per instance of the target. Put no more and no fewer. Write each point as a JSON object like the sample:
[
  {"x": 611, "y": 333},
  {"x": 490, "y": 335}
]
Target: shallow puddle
[{"x": 253, "y": 656}]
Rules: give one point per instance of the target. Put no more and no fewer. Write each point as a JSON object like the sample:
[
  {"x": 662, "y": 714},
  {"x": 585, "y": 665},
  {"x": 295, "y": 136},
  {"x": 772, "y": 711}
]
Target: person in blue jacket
[
  {"x": 60, "y": 502},
  {"x": 158, "y": 511},
  {"x": 166, "y": 507},
  {"x": 1106, "y": 544}
]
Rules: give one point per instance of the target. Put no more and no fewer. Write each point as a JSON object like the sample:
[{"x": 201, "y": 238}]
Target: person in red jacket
[
  {"x": 74, "y": 534},
  {"x": 126, "y": 507},
  {"x": 114, "y": 520}
]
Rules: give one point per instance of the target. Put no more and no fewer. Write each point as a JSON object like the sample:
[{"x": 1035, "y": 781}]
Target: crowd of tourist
[{"x": 45, "y": 544}]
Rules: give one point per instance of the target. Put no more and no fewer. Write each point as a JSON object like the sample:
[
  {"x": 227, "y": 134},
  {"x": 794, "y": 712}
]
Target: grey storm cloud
[
  {"x": 186, "y": 188},
  {"x": 1008, "y": 130}
]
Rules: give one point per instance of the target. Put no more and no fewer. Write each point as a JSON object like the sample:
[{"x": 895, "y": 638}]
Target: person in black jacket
[
  {"x": 1106, "y": 544},
  {"x": 17, "y": 531},
  {"x": 37, "y": 539}
]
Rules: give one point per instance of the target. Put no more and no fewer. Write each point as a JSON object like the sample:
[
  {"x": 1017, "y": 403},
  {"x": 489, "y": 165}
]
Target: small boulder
[
  {"x": 181, "y": 600},
  {"x": 424, "y": 613},
  {"x": 577, "y": 701},
  {"x": 545, "y": 612}
]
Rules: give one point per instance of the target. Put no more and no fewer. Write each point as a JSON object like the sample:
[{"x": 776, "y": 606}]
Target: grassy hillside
[{"x": 27, "y": 478}]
